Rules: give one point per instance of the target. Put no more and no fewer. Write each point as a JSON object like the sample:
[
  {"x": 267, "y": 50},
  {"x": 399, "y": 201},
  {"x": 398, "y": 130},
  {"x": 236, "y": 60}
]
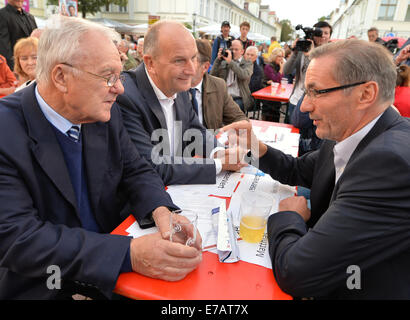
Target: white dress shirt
[
  {"x": 168, "y": 107},
  {"x": 343, "y": 150}
]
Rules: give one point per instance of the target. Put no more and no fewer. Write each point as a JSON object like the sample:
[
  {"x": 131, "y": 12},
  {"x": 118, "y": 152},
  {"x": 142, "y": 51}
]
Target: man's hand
[
  {"x": 240, "y": 133},
  {"x": 155, "y": 257},
  {"x": 297, "y": 204},
  {"x": 161, "y": 216},
  {"x": 232, "y": 158},
  {"x": 404, "y": 54}
]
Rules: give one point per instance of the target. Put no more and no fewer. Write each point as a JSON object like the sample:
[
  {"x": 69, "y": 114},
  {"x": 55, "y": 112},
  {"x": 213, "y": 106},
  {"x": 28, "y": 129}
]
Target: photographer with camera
[
  {"x": 236, "y": 71},
  {"x": 299, "y": 59},
  {"x": 224, "y": 40}
]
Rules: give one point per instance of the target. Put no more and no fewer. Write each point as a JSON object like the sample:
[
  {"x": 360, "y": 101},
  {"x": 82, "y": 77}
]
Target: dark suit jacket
[
  {"x": 144, "y": 119},
  {"x": 363, "y": 220},
  {"x": 39, "y": 222},
  {"x": 218, "y": 107},
  {"x": 12, "y": 28},
  {"x": 256, "y": 82}
]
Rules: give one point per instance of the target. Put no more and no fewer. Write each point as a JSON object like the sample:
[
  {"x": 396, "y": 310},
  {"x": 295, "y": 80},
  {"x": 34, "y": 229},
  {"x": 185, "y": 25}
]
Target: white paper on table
[{"x": 226, "y": 183}]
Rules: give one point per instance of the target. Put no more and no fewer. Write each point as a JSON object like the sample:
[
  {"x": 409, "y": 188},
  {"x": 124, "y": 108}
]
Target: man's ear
[
  {"x": 368, "y": 94},
  {"x": 206, "y": 66},
  {"x": 148, "y": 62},
  {"x": 59, "y": 77}
]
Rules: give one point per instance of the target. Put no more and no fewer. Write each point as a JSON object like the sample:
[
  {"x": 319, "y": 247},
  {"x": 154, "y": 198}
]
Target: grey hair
[
  {"x": 60, "y": 43},
  {"x": 359, "y": 60},
  {"x": 252, "y": 48}
]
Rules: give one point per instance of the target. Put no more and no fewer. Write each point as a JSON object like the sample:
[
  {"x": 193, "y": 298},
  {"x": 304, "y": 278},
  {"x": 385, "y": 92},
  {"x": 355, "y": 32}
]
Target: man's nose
[{"x": 306, "y": 105}]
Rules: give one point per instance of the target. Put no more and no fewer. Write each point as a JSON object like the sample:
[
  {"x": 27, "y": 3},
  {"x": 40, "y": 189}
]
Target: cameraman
[
  {"x": 224, "y": 40},
  {"x": 237, "y": 72},
  {"x": 299, "y": 61}
]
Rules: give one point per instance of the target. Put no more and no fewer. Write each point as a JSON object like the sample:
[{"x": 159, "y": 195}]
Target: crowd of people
[{"x": 89, "y": 137}]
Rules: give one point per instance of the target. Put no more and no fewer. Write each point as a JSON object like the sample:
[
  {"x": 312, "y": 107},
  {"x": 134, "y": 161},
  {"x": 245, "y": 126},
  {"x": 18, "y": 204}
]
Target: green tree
[
  {"x": 92, "y": 6},
  {"x": 287, "y": 30}
]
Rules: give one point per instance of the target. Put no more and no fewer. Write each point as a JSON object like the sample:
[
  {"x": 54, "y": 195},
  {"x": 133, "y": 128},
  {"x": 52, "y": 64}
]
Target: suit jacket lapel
[
  {"x": 323, "y": 182},
  {"x": 45, "y": 146},
  {"x": 388, "y": 117},
  {"x": 142, "y": 82},
  {"x": 94, "y": 137}
]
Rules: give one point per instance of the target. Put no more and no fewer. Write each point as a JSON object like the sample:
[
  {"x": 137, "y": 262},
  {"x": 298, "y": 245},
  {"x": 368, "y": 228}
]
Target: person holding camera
[
  {"x": 224, "y": 40},
  {"x": 236, "y": 71},
  {"x": 299, "y": 61}
]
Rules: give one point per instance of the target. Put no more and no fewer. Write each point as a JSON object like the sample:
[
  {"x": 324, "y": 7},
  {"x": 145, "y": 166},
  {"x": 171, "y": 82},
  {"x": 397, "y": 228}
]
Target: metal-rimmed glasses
[
  {"x": 313, "y": 93},
  {"x": 111, "y": 80}
]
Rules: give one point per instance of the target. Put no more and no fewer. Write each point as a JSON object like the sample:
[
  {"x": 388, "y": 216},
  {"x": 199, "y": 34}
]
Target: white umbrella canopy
[
  {"x": 215, "y": 30},
  {"x": 258, "y": 37}
]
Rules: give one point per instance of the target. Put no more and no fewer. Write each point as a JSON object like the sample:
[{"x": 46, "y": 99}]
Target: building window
[
  {"x": 216, "y": 12},
  {"x": 208, "y": 7},
  {"x": 408, "y": 12},
  {"x": 387, "y": 9},
  {"x": 201, "y": 7}
]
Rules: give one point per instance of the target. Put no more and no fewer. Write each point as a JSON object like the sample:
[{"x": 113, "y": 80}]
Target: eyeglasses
[
  {"x": 111, "y": 80},
  {"x": 313, "y": 93}
]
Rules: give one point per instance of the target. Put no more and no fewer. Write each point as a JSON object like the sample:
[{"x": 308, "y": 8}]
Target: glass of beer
[{"x": 254, "y": 213}]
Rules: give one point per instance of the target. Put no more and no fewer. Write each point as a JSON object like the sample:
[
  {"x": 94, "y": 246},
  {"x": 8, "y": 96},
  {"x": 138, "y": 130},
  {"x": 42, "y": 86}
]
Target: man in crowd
[
  {"x": 237, "y": 73},
  {"x": 140, "y": 51},
  {"x": 210, "y": 99},
  {"x": 68, "y": 167},
  {"x": 273, "y": 45},
  {"x": 158, "y": 112},
  {"x": 299, "y": 61},
  {"x": 127, "y": 59},
  {"x": 403, "y": 56},
  {"x": 223, "y": 41},
  {"x": 15, "y": 23},
  {"x": 373, "y": 35},
  {"x": 354, "y": 242},
  {"x": 255, "y": 84},
  {"x": 244, "y": 29}
]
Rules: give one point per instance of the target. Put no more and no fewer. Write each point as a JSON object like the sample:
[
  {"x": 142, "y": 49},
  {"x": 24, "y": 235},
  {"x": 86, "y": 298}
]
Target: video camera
[{"x": 304, "y": 44}]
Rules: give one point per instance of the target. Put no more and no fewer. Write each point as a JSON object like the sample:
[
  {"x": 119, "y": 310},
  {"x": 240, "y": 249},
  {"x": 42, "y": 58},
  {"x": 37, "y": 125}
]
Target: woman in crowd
[
  {"x": 402, "y": 96},
  {"x": 273, "y": 71},
  {"x": 274, "y": 68},
  {"x": 25, "y": 57}
]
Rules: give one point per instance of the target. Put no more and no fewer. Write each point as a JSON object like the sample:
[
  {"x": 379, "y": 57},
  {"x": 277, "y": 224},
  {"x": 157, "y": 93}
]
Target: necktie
[
  {"x": 74, "y": 133},
  {"x": 194, "y": 101}
]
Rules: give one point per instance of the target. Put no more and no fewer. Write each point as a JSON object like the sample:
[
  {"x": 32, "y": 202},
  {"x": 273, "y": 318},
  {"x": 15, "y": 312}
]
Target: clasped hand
[{"x": 155, "y": 256}]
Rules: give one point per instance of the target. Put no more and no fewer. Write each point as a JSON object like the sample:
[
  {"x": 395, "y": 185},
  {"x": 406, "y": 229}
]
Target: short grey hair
[
  {"x": 359, "y": 60},
  {"x": 252, "y": 48},
  {"x": 60, "y": 43}
]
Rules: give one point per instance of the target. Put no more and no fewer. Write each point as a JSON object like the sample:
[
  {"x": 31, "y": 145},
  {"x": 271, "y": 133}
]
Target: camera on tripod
[{"x": 304, "y": 44}]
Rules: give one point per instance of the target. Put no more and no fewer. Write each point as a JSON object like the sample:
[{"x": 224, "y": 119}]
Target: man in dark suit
[
  {"x": 256, "y": 82},
  {"x": 158, "y": 113},
  {"x": 68, "y": 168},
  {"x": 15, "y": 23},
  {"x": 215, "y": 106},
  {"x": 358, "y": 246}
]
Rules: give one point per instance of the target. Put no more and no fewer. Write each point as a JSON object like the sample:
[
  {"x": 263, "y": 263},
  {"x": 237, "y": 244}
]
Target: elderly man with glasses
[
  {"x": 354, "y": 242},
  {"x": 68, "y": 169}
]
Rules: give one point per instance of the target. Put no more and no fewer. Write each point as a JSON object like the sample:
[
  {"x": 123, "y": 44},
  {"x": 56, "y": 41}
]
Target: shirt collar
[
  {"x": 343, "y": 150},
  {"x": 58, "y": 121},
  {"x": 199, "y": 86},
  {"x": 160, "y": 95}
]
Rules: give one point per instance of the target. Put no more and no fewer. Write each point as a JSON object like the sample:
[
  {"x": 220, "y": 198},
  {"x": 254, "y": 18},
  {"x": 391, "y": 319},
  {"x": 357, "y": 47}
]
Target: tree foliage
[
  {"x": 287, "y": 30},
  {"x": 92, "y": 6}
]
